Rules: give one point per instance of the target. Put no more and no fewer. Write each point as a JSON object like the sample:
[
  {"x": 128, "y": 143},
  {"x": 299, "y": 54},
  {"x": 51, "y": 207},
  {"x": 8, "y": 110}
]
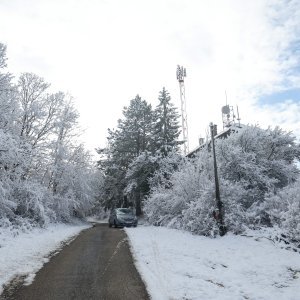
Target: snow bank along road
[
  {"x": 96, "y": 265},
  {"x": 180, "y": 266}
]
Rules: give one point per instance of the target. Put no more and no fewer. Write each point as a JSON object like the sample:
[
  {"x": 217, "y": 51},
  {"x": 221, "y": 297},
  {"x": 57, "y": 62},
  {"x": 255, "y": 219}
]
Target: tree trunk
[{"x": 138, "y": 206}]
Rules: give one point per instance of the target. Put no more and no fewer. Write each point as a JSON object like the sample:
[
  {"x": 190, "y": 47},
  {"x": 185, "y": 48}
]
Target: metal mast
[{"x": 181, "y": 73}]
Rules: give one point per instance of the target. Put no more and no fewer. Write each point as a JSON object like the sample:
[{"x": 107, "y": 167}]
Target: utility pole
[
  {"x": 219, "y": 212},
  {"x": 181, "y": 73}
]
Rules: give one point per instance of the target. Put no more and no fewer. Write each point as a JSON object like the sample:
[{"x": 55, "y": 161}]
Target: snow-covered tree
[
  {"x": 73, "y": 187},
  {"x": 32, "y": 97},
  {"x": 8, "y": 103},
  {"x": 45, "y": 174},
  {"x": 63, "y": 132},
  {"x": 11, "y": 158},
  {"x": 166, "y": 127},
  {"x": 133, "y": 134}
]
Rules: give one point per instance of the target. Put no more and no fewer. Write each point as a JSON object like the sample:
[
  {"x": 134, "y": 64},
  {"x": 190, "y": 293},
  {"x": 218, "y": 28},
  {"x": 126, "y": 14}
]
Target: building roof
[{"x": 224, "y": 134}]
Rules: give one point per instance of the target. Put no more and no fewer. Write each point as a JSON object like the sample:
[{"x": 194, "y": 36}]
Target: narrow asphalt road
[{"x": 96, "y": 265}]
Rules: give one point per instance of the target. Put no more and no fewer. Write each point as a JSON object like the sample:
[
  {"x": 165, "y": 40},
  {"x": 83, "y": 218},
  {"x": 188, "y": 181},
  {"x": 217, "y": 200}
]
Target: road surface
[{"x": 96, "y": 265}]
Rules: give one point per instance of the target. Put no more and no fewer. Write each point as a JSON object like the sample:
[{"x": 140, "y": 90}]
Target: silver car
[{"x": 122, "y": 217}]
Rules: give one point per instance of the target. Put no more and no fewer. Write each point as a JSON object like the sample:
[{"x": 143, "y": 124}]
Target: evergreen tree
[
  {"x": 142, "y": 138},
  {"x": 166, "y": 128},
  {"x": 132, "y": 137}
]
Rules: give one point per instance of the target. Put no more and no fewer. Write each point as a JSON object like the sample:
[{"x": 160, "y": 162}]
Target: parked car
[{"x": 122, "y": 217}]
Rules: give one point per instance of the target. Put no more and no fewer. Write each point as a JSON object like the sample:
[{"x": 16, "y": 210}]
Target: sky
[{"x": 105, "y": 52}]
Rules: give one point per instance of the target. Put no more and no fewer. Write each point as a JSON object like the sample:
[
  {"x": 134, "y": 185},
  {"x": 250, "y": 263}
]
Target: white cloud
[
  {"x": 105, "y": 52},
  {"x": 285, "y": 114}
]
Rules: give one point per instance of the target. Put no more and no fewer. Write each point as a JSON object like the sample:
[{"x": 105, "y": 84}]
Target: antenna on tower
[
  {"x": 238, "y": 116},
  {"x": 181, "y": 73},
  {"x": 228, "y": 115}
]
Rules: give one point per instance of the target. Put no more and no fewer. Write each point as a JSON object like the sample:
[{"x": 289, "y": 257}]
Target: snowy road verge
[
  {"x": 26, "y": 253},
  {"x": 179, "y": 265}
]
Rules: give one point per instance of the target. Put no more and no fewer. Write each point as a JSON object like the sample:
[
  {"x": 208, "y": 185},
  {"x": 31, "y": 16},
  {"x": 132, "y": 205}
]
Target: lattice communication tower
[{"x": 181, "y": 73}]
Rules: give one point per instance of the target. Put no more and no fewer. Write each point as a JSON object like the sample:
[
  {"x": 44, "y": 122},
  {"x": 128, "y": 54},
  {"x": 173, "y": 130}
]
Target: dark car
[{"x": 122, "y": 217}]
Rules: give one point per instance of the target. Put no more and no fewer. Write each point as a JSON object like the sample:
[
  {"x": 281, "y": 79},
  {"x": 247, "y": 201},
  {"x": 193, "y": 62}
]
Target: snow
[
  {"x": 174, "y": 264},
  {"x": 25, "y": 253},
  {"x": 178, "y": 265},
  {"x": 97, "y": 219}
]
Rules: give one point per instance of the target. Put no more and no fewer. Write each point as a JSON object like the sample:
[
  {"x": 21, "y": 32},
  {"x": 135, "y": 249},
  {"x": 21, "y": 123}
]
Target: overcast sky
[{"x": 106, "y": 52}]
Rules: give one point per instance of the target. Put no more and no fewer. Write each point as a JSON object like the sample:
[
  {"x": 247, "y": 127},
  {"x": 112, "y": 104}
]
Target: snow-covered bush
[
  {"x": 33, "y": 201},
  {"x": 185, "y": 201},
  {"x": 252, "y": 163},
  {"x": 7, "y": 206},
  {"x": 198, "y": 215},
  {"x": 283, "y": 208},
  {"x": 190, "y": 202},
  {"x": 174, "y": 189},
  {"x": 261, "y": 160},
  {"x": 157, "y": 208}
]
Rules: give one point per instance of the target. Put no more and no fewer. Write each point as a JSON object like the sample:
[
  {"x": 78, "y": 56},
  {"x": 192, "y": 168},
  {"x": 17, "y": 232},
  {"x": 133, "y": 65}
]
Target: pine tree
[
  {"x": 132, "y": 137},
  {"x": 166, "y": 128}
]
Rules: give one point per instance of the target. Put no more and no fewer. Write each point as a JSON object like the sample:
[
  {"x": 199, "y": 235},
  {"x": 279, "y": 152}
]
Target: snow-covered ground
[
  {"x": 179, "y": 265},
  {"x": 174, "y": 264},
  {"x": 25, "y": 253}
]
